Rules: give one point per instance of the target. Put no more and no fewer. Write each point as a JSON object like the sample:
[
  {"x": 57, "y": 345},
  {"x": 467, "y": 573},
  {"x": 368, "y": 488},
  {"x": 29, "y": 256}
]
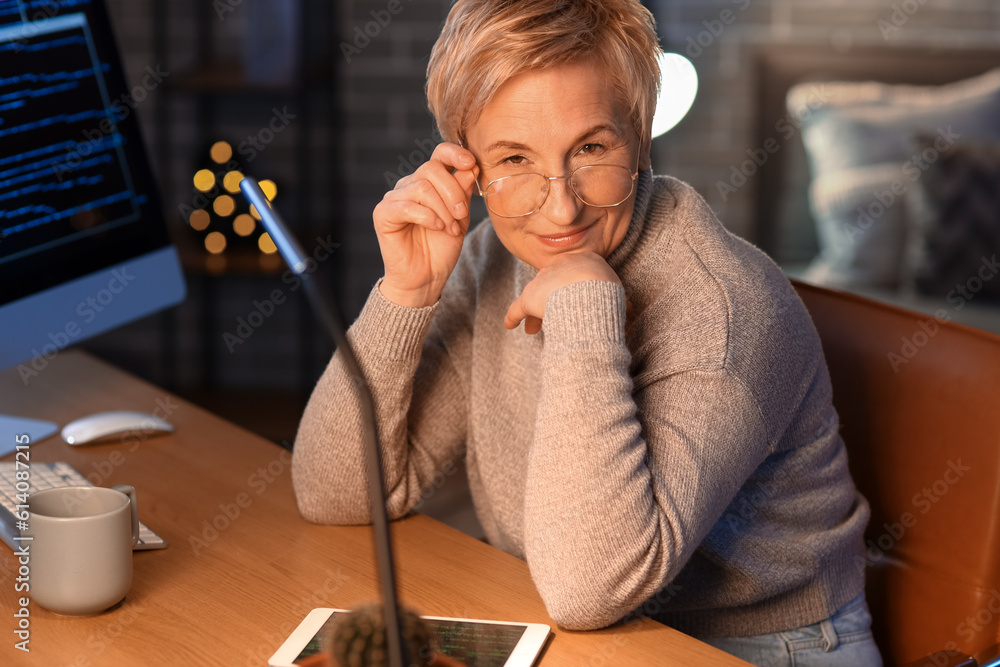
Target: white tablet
[{"x": 473, "y": 642}]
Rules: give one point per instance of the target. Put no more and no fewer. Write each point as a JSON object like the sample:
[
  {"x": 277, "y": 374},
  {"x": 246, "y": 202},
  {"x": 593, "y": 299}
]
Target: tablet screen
[{"x": 475, "y": 644}]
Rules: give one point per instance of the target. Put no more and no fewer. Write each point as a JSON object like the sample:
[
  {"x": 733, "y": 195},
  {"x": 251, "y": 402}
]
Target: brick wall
[
  {"x": 387, "y": 125},
  {"x": 380, "y": 55}
]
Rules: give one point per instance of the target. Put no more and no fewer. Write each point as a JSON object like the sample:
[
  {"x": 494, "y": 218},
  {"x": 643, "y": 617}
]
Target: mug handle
[{"x": 133, "y": 509}]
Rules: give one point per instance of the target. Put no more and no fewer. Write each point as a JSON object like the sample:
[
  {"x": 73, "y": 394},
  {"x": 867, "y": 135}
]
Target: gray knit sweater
[{"x": 692, "y": 443}]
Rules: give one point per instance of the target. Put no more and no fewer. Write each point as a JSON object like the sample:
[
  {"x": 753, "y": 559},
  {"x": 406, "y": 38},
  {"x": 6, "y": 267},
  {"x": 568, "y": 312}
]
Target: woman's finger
[
  {"x": 461, "y": 165},
  {"x": 467, "y": 179},
  {"x": 391, "y": 216},
  {"x": 453, "y": 156},
  {"x": 454, "y": 188},
  {"x": 515, "y": 313},
  {"x": 423, "y": 192},
  {"x": 436, "y": 196}
]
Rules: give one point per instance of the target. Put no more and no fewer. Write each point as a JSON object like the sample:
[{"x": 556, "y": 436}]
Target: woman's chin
[{"x": 539, "y": 260}]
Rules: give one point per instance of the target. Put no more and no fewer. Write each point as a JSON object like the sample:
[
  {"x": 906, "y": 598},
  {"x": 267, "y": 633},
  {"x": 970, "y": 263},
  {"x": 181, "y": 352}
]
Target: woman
[{"x": 663, "y": 418}]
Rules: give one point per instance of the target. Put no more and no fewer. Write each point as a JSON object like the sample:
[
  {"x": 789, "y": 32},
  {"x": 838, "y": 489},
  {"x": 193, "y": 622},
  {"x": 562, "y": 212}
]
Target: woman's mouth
[{"x": 563, "y": 240}]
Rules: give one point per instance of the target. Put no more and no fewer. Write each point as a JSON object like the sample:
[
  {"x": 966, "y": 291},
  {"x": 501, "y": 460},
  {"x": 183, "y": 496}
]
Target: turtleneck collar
[{"x": 643, "y": 193}]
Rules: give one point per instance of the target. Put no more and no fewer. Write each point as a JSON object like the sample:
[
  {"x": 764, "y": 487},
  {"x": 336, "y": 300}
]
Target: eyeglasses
[{"x": 598, "y": 185}]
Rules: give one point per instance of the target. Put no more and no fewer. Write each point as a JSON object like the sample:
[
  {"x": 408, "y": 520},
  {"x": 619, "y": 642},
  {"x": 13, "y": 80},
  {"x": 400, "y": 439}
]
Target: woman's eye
[
  {"x": 592, "y": 148},
  {"x": 514, "y": 159}
]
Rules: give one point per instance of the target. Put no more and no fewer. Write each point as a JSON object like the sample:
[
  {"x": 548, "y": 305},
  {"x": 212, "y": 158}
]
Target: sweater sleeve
[
  {"x": 616, "y": 505},
  {"x": 420, "y": 412}
]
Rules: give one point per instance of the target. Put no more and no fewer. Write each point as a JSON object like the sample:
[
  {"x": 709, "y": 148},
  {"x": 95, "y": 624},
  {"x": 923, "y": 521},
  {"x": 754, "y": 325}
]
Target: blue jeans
[{"x": 843, "y": 640}]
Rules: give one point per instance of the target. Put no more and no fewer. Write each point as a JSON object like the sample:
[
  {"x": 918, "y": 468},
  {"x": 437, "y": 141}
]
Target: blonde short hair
[{"x": 485, "y": 43}]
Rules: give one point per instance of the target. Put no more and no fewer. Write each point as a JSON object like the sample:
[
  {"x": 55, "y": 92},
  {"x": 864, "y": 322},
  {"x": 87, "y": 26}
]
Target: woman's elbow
[
  {"x": 313, "y": 514},
  {"x": 578, "y": 601},
  {"x": 341, "y": 509},
  {"x": 328, "y": 514},
  {"x": 574, "y": 615},
  {"x": 317, "y": 505},
  {"x": 585, "y": 598}
]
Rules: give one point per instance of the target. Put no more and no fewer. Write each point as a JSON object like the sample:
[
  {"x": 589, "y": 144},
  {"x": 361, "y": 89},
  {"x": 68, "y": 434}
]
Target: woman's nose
[{"x": 561, "y": 205}]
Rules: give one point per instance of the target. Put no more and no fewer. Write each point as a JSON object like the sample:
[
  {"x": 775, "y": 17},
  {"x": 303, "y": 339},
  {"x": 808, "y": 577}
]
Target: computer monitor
[{"x": 83, "y": 243}]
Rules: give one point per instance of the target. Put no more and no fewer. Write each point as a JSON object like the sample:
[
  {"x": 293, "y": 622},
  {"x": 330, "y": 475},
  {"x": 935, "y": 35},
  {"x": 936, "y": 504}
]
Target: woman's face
[{"x": 552, "y": 122}]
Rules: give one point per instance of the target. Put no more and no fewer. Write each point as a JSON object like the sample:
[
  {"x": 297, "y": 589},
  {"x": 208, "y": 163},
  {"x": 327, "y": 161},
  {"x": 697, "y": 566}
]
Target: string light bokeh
[{"x": 227, "y": 221}]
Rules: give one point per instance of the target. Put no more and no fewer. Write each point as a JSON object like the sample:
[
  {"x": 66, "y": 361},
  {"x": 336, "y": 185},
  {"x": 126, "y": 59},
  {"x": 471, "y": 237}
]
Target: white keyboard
[{"x": 46, "y": 476}]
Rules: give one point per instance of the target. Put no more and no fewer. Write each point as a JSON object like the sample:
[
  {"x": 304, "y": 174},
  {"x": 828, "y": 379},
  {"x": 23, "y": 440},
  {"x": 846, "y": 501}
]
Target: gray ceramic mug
[{"x": 81, "y": 552}]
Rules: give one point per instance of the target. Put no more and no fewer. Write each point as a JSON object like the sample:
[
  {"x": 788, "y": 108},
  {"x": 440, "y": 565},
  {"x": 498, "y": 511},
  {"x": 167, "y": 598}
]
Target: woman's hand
[
  {"x": 565, "y": 270},
  {"x": 420, "y": 225}
]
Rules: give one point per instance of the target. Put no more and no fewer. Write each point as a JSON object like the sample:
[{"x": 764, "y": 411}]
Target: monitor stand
[{"x": 12, "y": 427}]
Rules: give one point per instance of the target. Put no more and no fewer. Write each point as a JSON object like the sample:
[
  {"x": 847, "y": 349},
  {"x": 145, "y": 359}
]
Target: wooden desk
[{"x": 243, "y": 568}]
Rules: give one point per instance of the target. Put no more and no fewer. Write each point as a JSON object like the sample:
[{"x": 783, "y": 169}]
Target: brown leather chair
[{"x": 919, "y": 405}]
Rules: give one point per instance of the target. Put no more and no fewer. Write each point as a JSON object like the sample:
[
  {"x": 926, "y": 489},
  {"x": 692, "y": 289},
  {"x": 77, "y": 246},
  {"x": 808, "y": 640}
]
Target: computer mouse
[{"x": 101, "y": 425}]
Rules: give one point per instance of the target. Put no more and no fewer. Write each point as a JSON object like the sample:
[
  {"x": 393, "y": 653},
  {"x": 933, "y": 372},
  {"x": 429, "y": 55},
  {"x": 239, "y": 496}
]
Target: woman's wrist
[{"x": 409, "y": 298}]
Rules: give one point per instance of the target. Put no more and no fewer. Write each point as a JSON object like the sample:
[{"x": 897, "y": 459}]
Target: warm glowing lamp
[
  {"x": 678, "y": 88},
  {"x": 221, "y": 226}
]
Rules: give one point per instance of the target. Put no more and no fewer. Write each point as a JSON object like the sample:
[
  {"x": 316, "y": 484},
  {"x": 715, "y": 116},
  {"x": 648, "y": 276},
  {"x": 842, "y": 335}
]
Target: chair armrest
[
  {"x": 944, "y": 659},
  {"x": 989, "y": 657}
]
